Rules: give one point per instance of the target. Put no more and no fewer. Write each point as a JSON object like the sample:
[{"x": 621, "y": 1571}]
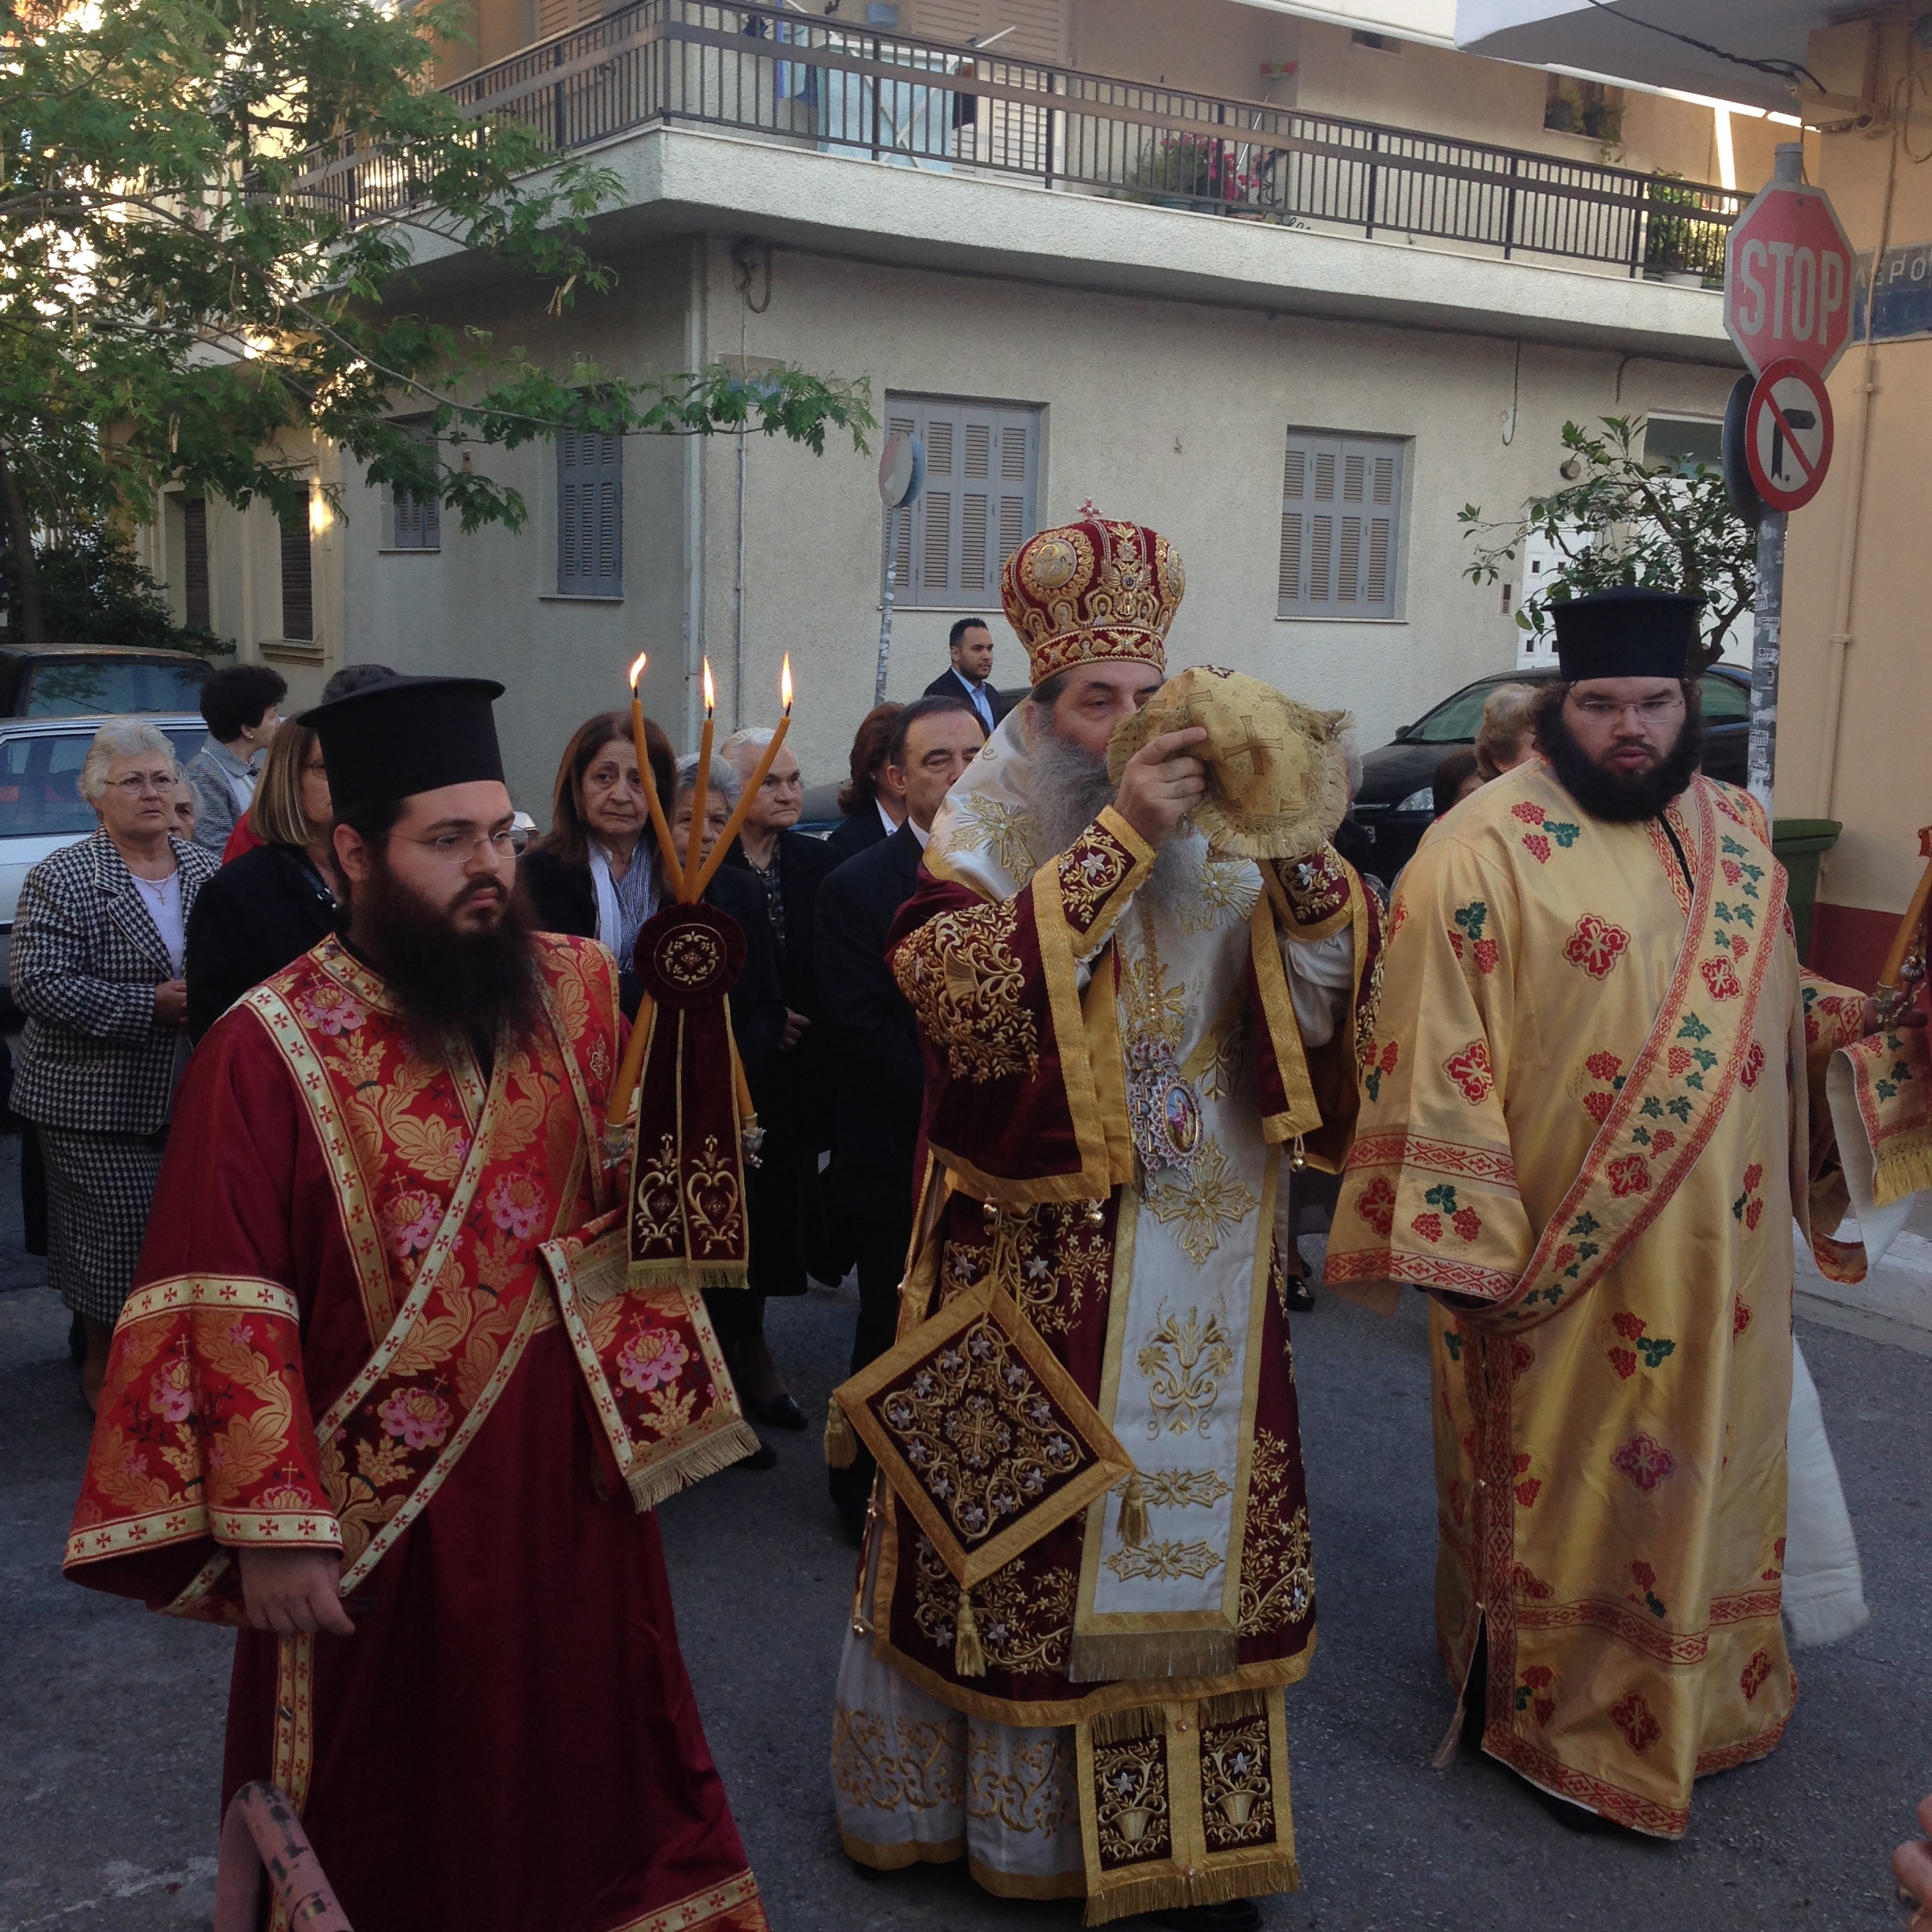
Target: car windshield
[
  {"x": 1455, "y": 720},
  {"x": 40, "y": 776},
  {"x": 110, "y": 687},
  {"x": 1725, "y": 702}
]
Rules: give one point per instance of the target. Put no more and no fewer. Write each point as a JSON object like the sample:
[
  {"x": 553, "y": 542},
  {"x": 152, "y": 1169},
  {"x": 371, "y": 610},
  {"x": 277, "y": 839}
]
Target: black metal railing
[{"x": 796, "y": 79}]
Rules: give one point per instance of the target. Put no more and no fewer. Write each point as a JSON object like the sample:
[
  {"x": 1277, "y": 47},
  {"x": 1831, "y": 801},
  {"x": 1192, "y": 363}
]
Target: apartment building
[{"x": 1293, "y": 285}]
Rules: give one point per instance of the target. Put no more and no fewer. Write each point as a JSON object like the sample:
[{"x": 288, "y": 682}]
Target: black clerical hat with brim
[
  {"x": 403, "y": 736},
  {"x": 1626, "y": 633}
]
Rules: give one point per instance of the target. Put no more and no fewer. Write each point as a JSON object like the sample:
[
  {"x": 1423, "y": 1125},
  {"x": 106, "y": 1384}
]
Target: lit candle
[
  {"x": 755, "y": 782},
  {"x": 695, "y": 843},
  {"x": 674, "y": 872}
]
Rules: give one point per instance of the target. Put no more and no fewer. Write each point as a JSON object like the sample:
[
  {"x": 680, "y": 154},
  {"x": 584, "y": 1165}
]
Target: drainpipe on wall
[
  {"x": 1846, "y": 586},
  {"x": 696, "y": 302}
]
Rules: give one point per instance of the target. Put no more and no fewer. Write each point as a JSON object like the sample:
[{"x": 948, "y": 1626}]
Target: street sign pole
[
  {"x": 901, "y": 477},
  {"x": 1767, "y": 621},
  {"x": 886, "y": 604},
  {"x": 1760, "y": 756}
]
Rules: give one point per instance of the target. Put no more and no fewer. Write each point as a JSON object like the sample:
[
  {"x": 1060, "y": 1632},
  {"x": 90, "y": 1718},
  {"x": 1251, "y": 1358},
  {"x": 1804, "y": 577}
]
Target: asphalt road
[{"x": 111, "y": 1719}]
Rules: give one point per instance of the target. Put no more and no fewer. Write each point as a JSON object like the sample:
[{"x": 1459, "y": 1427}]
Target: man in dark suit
[
  {"x": 971, "y": 678},
  {"x": 874, "y": 1041}
]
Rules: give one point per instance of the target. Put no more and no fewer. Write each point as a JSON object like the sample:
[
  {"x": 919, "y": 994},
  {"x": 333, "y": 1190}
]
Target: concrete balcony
[{"x": 911, "y": 153}]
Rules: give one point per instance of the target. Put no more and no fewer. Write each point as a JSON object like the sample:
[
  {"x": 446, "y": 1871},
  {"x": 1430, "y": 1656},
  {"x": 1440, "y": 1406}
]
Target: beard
[
  {"x": 446, "y": 978},
  {"x": 1070, "y": 787},
  {"x": 1621, "y": 798}
]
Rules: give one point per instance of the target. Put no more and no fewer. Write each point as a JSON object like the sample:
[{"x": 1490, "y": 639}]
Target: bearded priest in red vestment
[
  {"x": 1091, "y": 1577},
  {"x": 350, "y": 1408}
]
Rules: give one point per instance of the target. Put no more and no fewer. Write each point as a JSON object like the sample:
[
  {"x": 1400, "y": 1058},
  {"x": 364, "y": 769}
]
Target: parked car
[
  {"x": 1395, "y": 804},
  {"x": 41, "y": 809},
  {"x": 97, "y": 680}
]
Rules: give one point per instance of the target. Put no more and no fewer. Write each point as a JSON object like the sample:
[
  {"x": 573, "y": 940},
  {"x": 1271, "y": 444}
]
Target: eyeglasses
[
  {"x": 135, "y": 783},
  {"x": 1602, "y": 710},
  {"x": 460, "y": 847}
]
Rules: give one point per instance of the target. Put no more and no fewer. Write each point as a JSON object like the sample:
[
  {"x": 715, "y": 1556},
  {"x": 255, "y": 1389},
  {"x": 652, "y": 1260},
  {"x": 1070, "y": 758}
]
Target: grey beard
[{"x": 1070, "y": 787}]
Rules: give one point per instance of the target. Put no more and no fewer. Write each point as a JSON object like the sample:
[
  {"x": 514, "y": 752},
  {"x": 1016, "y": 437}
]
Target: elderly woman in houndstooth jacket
[{"x": 96, "y": 967}]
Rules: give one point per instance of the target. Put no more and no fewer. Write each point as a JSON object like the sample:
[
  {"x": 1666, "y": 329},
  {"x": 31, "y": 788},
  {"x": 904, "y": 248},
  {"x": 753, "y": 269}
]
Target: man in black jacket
[
  {"x": 971, "y": 678},
  {"x": 881, "y": 1084}
]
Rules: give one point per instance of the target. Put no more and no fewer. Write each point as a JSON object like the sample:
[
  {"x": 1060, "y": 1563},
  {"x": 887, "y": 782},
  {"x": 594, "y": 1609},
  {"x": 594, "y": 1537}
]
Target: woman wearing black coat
[
  {"x": 267, "y": 908},
  {"x": 596, "y": 873}
]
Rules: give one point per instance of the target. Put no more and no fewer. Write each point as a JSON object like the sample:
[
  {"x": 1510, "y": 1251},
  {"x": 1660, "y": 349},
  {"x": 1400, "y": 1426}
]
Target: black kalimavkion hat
[
  {"x": 401, "y": 735},
  {"x": 1626, "y": 633}
]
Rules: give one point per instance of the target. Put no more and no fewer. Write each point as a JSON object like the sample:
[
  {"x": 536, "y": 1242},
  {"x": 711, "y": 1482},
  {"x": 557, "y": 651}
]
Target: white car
[{"x": 41, "y": 809}]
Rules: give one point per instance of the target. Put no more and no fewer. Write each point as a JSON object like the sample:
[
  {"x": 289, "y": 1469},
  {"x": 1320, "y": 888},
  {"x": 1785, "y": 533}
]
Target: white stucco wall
[{"x": 1172, "y": 412}]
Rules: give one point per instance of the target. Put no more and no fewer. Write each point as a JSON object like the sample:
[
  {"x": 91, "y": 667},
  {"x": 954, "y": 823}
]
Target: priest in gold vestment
[
  {"x": 1585, "y": 1133},
  {"x": 1088, "y": 1575}
]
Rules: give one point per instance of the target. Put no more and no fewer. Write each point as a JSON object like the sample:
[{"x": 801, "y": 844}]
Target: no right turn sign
[{"x": 1788, "y": 434}]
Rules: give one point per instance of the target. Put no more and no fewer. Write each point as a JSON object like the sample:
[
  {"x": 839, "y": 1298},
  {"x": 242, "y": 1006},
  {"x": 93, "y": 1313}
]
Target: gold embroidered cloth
[
  {"x": 1578, "y": 1134},
  {"x": 983, "y": 1434}
]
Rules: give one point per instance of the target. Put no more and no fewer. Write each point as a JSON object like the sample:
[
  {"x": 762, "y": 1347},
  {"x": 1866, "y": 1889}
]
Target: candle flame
[
  {"x": 637, "y": 671},
  {"x": 784, "y": 682},
  {"x": 710, "y": 690}
]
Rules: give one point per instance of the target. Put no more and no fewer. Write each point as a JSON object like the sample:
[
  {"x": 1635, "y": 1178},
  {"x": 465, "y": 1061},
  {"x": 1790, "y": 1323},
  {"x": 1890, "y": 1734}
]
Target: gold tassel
[
  {"x": 1134, "y": 1522},
  {"x": 841, "y": 1446},
  {"x": 968, "y": 1659}
]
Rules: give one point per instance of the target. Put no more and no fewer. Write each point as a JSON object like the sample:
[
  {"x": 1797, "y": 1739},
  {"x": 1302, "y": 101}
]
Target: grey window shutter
[
  {"x": 977, "y": 508},
  {"x": 1340, "y": 526},
  {"x": 589, "y": 513},
  {"x": 418, "y": 524},
  {"x": 195, "y": 563},
  {"x": 297, "y": 576}
]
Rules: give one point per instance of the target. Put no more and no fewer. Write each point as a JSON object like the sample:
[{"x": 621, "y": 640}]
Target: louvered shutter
[
  {"x": 297, "y": 575},
  {"x": 590, "y": 515},
  {"x": 417, "y": 523},
  {"x": 1340, "y": 526},
  {"x": 195, "y": 595},
  {"x": 1038, "y": 27},
  {"x": 977, "y": 508}
]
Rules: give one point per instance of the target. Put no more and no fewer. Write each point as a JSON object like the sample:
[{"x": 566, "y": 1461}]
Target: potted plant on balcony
[
  {"x": 1687, "y": 250},
  {"x": 1183, "y": 170}
]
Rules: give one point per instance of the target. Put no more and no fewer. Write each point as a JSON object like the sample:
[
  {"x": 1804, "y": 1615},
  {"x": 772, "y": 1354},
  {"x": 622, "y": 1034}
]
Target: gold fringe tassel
[
  {"x": 661, "y": 1480},
  {"x": 1903, "y": 1168},
  {"x": 841, "y": 1446},
  {"x": 1116, "y": 1727},
  {"x": 682, "y": 1274},
  {"x": 1133, "y": 1521},
  {"x": 1106, "y": 1657},
  {"x": 1170, "y": 1890},
  {"x": 1232, "y": 1705},
  {"x": 969, "y": 1658}
]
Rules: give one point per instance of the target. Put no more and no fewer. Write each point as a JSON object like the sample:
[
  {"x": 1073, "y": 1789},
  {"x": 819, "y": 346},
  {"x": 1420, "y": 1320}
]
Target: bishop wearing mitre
[{"x": 1138, "y": 968}]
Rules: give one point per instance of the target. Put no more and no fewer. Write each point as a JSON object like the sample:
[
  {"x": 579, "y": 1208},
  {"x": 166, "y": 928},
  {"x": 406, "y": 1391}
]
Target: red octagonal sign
[{"x": 1788, "y": 280}]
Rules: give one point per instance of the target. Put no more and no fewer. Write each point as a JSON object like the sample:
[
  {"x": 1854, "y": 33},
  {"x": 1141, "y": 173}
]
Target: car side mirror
[{"x": 1401, "y": 732}]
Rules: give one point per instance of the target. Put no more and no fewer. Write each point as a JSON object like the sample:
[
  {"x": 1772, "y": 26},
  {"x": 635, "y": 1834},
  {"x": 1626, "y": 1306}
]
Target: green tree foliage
[
  {"x": 94, "y": 592},
  {"x": 1624, "y": 521},
  {"x": 183, "y": 278}
]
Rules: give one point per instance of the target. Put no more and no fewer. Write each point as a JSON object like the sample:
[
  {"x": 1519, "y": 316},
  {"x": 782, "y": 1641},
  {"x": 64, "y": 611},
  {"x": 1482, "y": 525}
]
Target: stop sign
[{"x": 1788, "y": 280}]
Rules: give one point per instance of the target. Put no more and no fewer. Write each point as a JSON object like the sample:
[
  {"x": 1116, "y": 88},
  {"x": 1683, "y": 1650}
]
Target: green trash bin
[{"x": 1800, "y": 844}]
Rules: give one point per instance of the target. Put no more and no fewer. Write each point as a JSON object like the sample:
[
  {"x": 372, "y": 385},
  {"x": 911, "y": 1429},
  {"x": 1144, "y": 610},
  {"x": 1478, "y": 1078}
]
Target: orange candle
[
  {"x": 695, "y": 843},
  {"x": 632, "y": 1068},
  {"x": 736, "y": 823},
  {"x": 674, "y": 872}
]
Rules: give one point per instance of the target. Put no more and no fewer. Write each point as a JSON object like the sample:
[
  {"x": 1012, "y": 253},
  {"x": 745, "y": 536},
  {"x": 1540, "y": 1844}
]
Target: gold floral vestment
[{"x": 1584, "y": 1132}]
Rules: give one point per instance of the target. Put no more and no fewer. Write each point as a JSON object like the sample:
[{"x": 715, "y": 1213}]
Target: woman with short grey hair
[{"x": 99, "y": 940}]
